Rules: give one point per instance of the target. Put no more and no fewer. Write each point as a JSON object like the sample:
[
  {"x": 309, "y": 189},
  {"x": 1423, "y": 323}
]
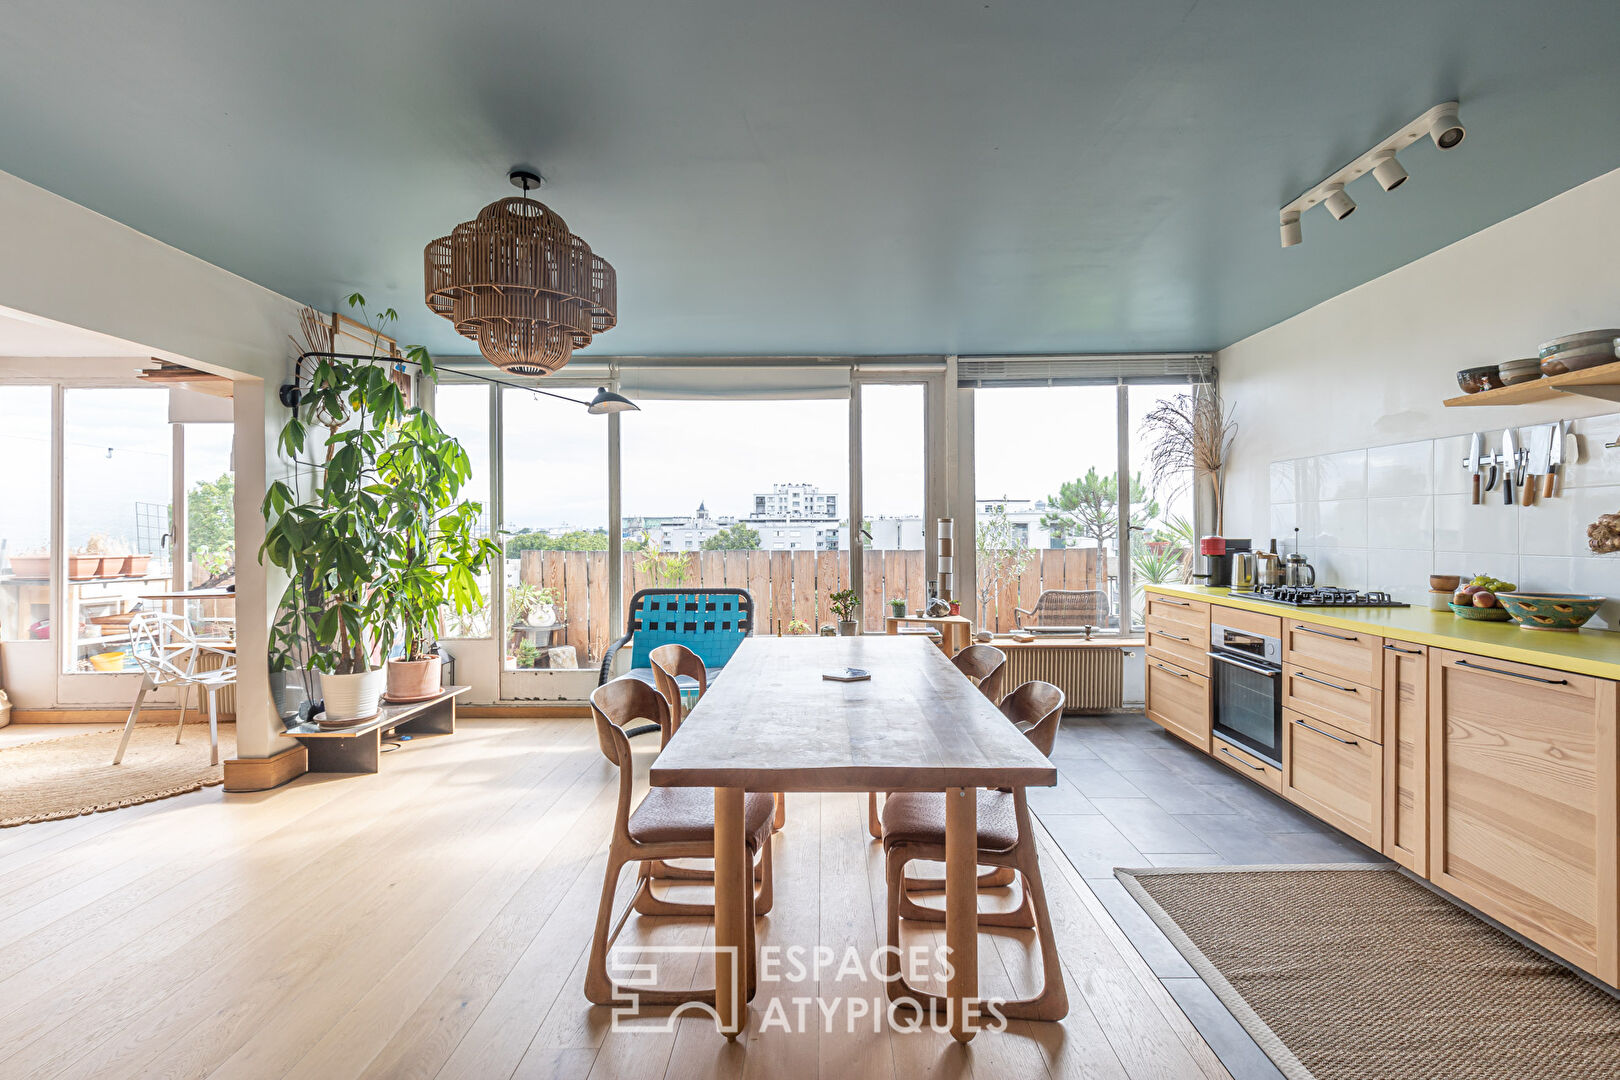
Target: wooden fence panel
[
  {"x": 781, "y": 591},
  {"x": 804, "y": 587},
  {"x": 577, "y": 596},
  {"x": 598, "y": 619},
  {"x": 827, "y": 564}
]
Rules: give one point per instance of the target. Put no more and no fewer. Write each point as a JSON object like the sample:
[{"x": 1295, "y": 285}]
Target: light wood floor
[{"x": 432, "y": 921}]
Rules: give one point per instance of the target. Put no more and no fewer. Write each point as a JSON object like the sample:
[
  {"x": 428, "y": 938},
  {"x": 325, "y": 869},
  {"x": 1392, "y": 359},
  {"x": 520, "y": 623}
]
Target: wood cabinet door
[
  {"x": 1174, "y": 643},
  {"x": 1522, "y": 801},
  {"x": 1192, "y": 616},
  {"x": 1406, "y": 755},
  {"x": 1178, "y": 701},
  {"x": 1334, "y": 775},
  {"x": 1328, "y": 650}
]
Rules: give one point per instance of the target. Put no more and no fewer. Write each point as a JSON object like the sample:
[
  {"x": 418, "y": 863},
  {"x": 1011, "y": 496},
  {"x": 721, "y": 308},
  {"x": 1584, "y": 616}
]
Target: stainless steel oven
[{"x": 1246, "y": 688}]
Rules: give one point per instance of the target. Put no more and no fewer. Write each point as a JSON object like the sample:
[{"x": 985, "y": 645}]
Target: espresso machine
[{"x": 1217, "y": 555}]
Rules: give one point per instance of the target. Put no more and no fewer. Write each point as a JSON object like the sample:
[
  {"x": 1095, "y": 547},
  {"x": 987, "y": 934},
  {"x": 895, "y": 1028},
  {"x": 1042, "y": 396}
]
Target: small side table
[{"x": 955, "y": 631}]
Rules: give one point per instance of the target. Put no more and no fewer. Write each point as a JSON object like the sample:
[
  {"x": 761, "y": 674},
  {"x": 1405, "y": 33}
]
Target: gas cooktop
[{"x": 1324, "y": 596}]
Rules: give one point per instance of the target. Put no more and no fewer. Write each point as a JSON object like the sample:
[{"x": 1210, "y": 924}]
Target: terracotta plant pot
[
  {"x": 414, "y": 680},
  {"x": 111, "y": 566},
  {"x": 83, "y": 567},
  {"x": 31, "y": 566},
  {"x": 136, "y": 564}
]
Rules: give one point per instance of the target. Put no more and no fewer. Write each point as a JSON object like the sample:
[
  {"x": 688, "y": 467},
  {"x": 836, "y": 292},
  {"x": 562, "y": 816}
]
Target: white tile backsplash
[{"x": 1389, "y": 516}]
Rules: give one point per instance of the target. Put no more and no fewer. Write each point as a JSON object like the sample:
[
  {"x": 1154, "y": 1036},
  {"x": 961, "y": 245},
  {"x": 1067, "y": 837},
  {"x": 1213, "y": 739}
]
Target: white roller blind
[
  {"x": 986, "y": 371},
  {"x": 761, "y": 378}
]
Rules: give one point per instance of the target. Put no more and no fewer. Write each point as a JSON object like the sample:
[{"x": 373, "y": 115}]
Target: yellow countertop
[{"x": 1588, "y": 652}]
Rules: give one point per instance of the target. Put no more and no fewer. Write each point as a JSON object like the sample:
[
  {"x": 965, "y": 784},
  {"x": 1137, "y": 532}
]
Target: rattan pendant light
[{"x": 517, "y": 282}]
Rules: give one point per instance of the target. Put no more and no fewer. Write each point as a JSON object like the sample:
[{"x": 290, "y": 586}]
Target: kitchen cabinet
[
  {"x": 1244, "y": 763},
  {"x": 1406, "y": 755},
  {"x": 1523, "y": 801},
  {"x": 1349, "y": 655},
  {"x": 1189, "y": 618},
  {"x": 1356, "y": 709},
  {"x": 1174, "y": 642},
  {"x": 1178, "y": 701},
  {"x": 1335, "y": 775}
]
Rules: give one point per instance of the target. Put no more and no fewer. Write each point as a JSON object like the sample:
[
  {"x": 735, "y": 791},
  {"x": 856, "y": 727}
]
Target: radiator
[{"x": 1092, "y": 679}]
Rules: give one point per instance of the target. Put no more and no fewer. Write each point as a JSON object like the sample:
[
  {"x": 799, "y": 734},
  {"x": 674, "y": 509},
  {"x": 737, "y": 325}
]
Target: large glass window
[
  {"x": 25, "y": 512},
  {"x": 555, "y": 502},
  {"x": 1046, "y": 465},
  {"x": 1162, "y": 549},
  {"x": 210, "y": 558},
  {"x": 118, "y": 482},
  {"x": 745, "y": 494},
  {"x": 462, "y": 410},
  {"x": 892, "y": 492}
]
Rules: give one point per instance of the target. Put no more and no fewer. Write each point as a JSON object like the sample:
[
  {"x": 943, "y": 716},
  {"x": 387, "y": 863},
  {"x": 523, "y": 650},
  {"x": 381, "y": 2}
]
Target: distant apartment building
[{"x": 789, "y": 501}]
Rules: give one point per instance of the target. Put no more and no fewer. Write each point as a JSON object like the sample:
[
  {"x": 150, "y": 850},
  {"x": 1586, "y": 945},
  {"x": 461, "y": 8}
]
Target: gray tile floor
[{"x": 1129, "y": 794}]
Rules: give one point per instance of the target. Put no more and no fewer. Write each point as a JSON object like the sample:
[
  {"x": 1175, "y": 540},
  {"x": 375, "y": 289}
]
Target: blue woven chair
[{"x": 710, "y": 622}]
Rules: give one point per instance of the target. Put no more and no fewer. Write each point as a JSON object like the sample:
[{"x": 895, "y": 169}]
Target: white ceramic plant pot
[{"x": 353, "y": 697}]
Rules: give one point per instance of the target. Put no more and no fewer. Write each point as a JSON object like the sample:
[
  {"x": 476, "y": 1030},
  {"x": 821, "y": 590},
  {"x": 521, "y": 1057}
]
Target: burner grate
[{"x": 1321, "y": 596}]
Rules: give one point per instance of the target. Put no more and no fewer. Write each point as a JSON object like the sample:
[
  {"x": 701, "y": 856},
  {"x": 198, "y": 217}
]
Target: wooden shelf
[{"x": 1602, "y": 381}]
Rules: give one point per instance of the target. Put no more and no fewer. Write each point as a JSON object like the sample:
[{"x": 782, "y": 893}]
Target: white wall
[
  {"x": 74, "y": 266},
  {"x": 1370, "y": 368}
]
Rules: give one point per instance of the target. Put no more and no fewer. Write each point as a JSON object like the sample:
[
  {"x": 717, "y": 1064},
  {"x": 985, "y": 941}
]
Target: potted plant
[
  {"x": 351, "y": 536},
  {"x": 796, "y": 628},
  {"x": 843, "y": 604},
  {"x": 31, "y": 563},
  {"x": 897, "y": 604}
]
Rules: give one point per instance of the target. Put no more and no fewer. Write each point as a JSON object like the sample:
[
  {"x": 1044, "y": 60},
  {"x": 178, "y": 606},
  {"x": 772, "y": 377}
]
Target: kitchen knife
[
  {"x": 1510, "y": 463},
  {"x": 1472, "y": 464},
  {"x": 1541, "y": 442}
]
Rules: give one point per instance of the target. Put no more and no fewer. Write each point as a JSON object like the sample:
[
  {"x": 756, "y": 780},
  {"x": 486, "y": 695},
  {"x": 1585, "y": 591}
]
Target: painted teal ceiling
[{"x": 817, "y": 176}]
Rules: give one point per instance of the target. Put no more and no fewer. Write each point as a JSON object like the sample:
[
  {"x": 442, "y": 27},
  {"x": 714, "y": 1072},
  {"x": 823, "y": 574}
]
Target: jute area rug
[
  {"x": 59, "y": 778},
  {"x": 1359, "y": 973}
]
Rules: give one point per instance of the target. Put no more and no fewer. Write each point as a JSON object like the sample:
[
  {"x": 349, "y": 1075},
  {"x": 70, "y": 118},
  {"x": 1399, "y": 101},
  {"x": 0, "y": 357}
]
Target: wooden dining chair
[
  {"x": 677, "y": 672},
  {"x": 669, "y": 823},
  {"x": 914, "y": 828},
  {"x": 986, "y": 667}
]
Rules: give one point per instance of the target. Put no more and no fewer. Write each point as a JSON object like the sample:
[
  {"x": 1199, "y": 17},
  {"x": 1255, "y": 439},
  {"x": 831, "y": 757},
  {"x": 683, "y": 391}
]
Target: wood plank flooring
[{"x": 432, "y": 921}]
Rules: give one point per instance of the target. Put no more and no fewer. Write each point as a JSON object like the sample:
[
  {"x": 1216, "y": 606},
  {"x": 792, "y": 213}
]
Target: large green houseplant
[{"x": 371, "y": 538}]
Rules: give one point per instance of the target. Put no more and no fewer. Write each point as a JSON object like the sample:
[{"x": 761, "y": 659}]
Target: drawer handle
[
  {"x": 1240, "y": 761},
  {"x": 1515, "y": 674},
  {"x": 1173, "y": 637},
  {"x": 1319, "y": 731},
  {"x": 1324, "y": 682},
  {"x": 1324, "y": 633},
  {"x": 1171, "y": 670},
  {"x": 1408, "y": 652},
  {"x": 1178, "y": 603}
]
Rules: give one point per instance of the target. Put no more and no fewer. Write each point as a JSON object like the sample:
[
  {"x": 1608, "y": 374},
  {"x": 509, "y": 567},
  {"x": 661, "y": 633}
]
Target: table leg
[
  {"x": 962, "y": 909},
  {"x": 732, "y": 879}
]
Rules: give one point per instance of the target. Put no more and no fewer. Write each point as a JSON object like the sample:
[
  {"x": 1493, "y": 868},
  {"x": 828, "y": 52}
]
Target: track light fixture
[{"x": 1439, "y": 123}]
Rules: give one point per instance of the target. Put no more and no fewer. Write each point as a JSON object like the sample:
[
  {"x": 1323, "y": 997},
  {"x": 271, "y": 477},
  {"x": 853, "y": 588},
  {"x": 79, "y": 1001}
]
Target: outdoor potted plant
[
  {"x": 31, "y": 563},
  {"x": 897, "y": 604},
  {"x": 797, "y": 628},
  {"x": 843, "y": 604},
  {"x": 84, "y": 562}
]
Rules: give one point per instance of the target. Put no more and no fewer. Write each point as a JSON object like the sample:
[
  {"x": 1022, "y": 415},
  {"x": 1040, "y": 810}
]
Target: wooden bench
[{"x": 357, "y": 749}]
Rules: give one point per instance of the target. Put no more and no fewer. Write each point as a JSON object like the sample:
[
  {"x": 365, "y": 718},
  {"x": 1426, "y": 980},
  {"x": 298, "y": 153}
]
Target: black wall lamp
[{"x": 605, "y": 401}]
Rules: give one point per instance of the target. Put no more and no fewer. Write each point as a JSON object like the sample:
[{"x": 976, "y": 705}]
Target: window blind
[{"x": 1010, "y": 371}]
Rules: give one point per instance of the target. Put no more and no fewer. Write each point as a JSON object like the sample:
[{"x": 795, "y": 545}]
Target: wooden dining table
[{"x": 772, "y": 723}]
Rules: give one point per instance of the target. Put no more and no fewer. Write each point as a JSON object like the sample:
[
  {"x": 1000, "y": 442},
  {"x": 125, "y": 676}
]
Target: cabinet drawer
[
  {"x": 1178, "y": 701},
  {"x": 1191, "y": 615},
  {"x": 1335, "y": 776},
  {"x": 1172, "y": 642},
  {"x": 1344, "y": 704},
  {"x": 1327, "y": 650},
  {"x": 1246, "y": 764}
]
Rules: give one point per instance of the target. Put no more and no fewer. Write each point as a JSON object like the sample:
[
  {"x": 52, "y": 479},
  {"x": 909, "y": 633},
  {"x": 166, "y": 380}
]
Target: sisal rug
[
  {"x": 1360, "y": 973},
  {"x": 60, "y": 778}
]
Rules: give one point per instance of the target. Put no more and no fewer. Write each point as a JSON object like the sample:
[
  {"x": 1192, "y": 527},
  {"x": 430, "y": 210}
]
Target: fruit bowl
[
  {"x": 1480, "y": 614},
  {"x": 1550, "y": 611}
]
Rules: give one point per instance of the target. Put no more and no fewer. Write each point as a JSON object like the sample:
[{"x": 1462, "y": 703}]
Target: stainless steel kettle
[
  {"x": 1298, "y": 573},
  {"x": 1243, "y": 566}
]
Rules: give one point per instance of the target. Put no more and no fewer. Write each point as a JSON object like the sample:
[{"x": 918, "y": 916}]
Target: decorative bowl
[
  {"x": 1550, "y": 611},
  {"x": 1576, "y": 351},
  {"x": 1480, "y": 614},
  {"x": 1518, "y": 371},
  {"x": 1444, "y": 582},
  {"x": 1473, "y": 380}
]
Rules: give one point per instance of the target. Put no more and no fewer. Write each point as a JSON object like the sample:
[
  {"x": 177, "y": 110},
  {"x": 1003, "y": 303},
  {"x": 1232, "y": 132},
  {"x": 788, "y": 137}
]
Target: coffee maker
[{"x": 1216, "y": 555}]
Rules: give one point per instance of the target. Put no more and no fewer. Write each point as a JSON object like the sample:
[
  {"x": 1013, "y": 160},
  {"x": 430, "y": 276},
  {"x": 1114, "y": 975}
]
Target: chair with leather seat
[
  {"x": 914, "y": 828},
  {"x": 986, "y": 667},
  {"x": 682, "y": 679},
  {"x": 669, "y": 823}
]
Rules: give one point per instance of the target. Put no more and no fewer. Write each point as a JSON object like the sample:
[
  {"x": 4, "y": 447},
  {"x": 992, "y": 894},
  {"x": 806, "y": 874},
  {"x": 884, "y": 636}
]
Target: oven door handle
[{"x": 1228, "y": 659}]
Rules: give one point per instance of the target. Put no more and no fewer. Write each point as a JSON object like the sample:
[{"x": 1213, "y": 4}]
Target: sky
[{"x": 677, "y": 454}]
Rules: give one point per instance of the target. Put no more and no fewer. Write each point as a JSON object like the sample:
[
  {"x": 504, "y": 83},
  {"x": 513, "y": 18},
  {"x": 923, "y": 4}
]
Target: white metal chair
[{"x": 169, "y": 654}]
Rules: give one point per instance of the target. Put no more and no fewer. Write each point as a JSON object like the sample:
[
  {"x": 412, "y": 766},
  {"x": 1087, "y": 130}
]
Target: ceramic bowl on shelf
[
  {"x": 1550, "y": 611},
  {"x": 1576, "y": 351},
  {"x": 1480, "y": 614},
  {"x": 1474, "y": 379},
  {"x": 1518, "y": 371}
]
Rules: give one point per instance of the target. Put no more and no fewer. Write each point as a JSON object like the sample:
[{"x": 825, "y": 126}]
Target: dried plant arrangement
[{"x": 1191, "y": 435}]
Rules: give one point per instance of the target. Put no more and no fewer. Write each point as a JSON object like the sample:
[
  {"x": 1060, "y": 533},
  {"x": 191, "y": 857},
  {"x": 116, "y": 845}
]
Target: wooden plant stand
[{"x": 358, "y": 749}]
